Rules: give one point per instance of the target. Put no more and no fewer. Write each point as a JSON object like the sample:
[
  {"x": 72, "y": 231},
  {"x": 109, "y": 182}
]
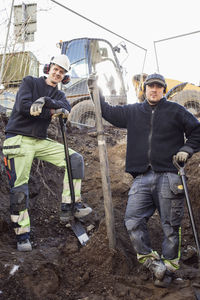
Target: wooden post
[{"x": 104, "y": 170}]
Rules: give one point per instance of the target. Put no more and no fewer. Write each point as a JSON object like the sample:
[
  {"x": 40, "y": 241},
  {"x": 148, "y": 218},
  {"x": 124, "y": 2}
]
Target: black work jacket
[
  {"x": 154, "y": 135},
  {"x": 20, "y": 121}
]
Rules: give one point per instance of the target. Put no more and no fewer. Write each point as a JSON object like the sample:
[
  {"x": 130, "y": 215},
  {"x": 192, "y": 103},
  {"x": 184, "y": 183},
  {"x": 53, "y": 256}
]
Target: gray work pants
[{"x": 151, "y": 191}]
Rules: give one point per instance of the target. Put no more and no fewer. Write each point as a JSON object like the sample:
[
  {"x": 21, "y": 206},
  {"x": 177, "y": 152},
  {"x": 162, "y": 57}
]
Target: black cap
[{"x": 155, "y": 78}]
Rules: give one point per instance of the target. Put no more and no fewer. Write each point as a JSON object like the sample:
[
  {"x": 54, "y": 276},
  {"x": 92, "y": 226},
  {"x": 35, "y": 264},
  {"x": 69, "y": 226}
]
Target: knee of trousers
[
  {"x": 77, "y": 164},
  {"x": 18, "y": 199},
  {"x": 131, "y": 224}
]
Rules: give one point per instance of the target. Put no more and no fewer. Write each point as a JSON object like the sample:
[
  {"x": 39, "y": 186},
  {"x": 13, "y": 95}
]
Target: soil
[{"x": 59, "y": 267}]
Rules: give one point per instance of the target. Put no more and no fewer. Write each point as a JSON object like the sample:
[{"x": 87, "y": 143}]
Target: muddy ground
[{"x": 59, "y": 268}]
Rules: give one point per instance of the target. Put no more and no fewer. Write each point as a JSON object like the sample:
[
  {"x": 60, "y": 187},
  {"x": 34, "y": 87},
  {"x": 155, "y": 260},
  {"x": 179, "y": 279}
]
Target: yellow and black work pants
[{"x": 19, "y": 152}]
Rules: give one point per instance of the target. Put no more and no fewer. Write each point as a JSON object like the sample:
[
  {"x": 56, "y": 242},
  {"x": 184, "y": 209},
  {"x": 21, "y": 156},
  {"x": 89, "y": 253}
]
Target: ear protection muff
[
  {"x": 46, "y": 69},
  {"x": 66, "y": 79}
]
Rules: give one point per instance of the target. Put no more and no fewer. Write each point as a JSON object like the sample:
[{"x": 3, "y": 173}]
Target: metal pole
[
  {"x": 156, "y": 55},
  {"x": 104, "y": 171},
  {"x": 89, "y": 20},
  {"x": 177, "y": 36},
  {"x": 188, "y": 202},
  {"x": 5, "y": 48},
  {"x": 23, "y": 25},
  {"x": 183, "y": 177}
]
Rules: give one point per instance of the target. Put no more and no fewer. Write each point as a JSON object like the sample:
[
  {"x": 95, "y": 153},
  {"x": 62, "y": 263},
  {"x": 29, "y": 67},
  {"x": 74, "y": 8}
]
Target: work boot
[
  {"x": 166, "y": 281},
  {"x": 157, "y": 267},
  {"x": 80, "y": 211},
  {"x": 24, "y": 246},
  {"x": 66, "y": 212}
]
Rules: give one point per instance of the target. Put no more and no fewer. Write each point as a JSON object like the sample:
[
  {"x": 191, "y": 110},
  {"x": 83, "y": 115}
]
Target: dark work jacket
[
  {"x": 154, "y": 135},
  {"x": 20, "y": 121}
]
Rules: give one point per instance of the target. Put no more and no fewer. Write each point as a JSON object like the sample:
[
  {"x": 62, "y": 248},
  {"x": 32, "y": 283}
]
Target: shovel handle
[
  {"x": 178, "y": 166},
  {"x": 188, "y": 202},
  {"x": 67, "y": 158}
]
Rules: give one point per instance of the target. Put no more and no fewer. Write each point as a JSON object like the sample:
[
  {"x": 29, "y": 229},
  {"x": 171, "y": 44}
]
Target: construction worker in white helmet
[{"x": 38, "y": 101}]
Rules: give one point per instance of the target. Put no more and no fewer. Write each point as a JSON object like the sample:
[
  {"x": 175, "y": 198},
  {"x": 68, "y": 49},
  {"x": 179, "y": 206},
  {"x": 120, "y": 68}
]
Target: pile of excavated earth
[{"x": 59, "y": 267}]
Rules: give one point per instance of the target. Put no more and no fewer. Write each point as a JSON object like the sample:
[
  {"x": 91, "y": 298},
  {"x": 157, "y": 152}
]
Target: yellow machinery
[{"x": 183, "y": 93}]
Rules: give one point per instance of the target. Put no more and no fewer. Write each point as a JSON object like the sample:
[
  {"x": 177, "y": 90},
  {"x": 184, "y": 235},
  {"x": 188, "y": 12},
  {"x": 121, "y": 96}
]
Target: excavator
[
  {"x": 90, "y": 56},
  {"x": 97, "y": 56},
  {"x": 184, "y": 93},
  {"x": 93, "y": 55}
]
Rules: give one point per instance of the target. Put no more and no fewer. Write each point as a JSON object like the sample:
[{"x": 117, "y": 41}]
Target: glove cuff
[{"x": 187, "y": 149}]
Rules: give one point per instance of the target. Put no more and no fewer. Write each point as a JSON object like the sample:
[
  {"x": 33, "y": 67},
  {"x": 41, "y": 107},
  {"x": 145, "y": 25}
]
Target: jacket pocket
[{"x": 12, "y": 146}]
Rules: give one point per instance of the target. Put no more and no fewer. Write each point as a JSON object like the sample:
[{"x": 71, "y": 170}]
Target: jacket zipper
[{"x": 150, "y": 137}]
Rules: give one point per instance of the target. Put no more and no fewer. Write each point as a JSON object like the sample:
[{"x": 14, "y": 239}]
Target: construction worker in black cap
[{"x": 157, "y": 130}]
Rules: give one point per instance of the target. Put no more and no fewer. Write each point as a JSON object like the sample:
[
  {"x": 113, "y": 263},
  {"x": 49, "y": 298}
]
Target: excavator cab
[{"x": 92, "y": 57}]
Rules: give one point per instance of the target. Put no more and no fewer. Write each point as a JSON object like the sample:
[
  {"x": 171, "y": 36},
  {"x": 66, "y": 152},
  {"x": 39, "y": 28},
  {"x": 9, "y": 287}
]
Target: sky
[{"x": 144, "y": 23}]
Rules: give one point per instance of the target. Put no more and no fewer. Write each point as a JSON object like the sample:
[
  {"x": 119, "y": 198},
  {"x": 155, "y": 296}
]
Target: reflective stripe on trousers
[
  {"x": 19, "y": 166},
  {"x": 46, "y": 150}
]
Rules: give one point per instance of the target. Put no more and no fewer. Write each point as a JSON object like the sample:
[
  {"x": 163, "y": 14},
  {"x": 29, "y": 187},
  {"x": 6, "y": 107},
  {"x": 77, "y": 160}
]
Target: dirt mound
[{"x": 59, "y": 267}]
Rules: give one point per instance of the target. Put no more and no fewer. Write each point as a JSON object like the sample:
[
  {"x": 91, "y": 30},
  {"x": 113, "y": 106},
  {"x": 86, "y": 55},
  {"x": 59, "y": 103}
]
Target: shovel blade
[{"x": 80, "y": 232}]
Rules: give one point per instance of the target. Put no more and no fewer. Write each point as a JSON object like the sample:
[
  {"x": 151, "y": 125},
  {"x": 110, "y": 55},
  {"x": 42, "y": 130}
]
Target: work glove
[
  {"x": 59, "y": 111},
  {"x": 181, "y": 156},
  {"x": 36, "y": 107}
]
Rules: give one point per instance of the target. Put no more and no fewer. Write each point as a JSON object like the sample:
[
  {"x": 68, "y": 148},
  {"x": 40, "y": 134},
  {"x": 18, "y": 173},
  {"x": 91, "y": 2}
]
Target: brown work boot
[
  {"x": 166, "y": 281},
  {"x": 80, "y": 211},
  {"x": 157, "y": 267}
]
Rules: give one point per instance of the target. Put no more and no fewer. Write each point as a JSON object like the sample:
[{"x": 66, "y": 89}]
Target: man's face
[
  {"x": 154, "y": 92},
  {"x": 56, "y": 75}
]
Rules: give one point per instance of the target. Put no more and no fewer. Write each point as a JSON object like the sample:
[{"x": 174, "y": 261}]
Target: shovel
[
  {"x": 76, "y": 225},
  {"x": 183, "y": 178}
]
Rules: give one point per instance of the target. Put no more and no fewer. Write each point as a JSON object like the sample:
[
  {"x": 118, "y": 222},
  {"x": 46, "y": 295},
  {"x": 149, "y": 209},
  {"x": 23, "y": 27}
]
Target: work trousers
[
  {"x": 151, "y": 191},
  {"x": 20, "y": 152}
]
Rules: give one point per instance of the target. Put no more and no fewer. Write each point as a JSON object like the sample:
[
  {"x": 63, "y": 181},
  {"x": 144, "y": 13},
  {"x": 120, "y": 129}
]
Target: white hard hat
[{"x": 62, "y": 61}]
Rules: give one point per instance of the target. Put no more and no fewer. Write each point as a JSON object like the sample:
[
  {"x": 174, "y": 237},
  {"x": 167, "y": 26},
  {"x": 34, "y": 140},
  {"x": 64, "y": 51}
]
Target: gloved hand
[
  {"x": 181, "y": 156},
  {"x": 59, "y": 111},
  {"x": 36, "y": 107}
]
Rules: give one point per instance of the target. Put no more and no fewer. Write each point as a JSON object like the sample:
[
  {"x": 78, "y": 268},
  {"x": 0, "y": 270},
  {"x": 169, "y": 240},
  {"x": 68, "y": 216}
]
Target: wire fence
[{"x": 183, "y": 51}]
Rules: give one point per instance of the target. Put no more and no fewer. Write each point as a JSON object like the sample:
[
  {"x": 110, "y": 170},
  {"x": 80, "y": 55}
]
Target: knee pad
[
  {"x": 77, "y": 164},
  {"x": 18, "y": 202}
]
